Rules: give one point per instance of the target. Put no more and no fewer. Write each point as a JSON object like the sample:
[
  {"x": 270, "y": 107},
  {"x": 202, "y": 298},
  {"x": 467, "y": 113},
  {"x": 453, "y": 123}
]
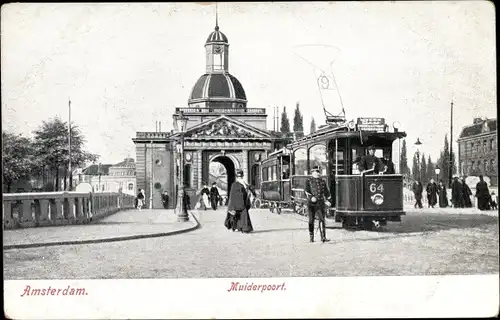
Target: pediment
[{"x": 224, "y": 127}]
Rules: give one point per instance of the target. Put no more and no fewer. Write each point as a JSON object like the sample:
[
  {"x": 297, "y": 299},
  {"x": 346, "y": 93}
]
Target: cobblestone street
[{"x": 424, "y": 243}]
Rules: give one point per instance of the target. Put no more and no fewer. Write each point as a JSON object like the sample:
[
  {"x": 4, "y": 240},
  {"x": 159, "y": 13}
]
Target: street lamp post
[
  {"x": 418, "y": 144},
  {"x": 180, "y": 122},
  {"x": 437, "y": 170}
]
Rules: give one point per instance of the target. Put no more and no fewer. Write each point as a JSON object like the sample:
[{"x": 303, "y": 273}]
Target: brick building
[{"x": 477, "y": 150}]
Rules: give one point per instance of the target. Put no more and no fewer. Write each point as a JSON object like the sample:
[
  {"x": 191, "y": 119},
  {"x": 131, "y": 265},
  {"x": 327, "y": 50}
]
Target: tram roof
[{"x": 343, "y": 132}]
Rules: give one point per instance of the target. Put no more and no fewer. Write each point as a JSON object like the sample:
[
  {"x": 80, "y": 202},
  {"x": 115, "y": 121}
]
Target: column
[
  {"x": 199, "y": 164},
  {"x": 244, "y": 165}
]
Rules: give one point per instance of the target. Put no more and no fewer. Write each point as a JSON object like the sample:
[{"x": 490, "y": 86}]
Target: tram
[{"x": 360, "y": 198}]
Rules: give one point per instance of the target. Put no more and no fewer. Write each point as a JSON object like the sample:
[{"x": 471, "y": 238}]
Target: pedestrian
[
  {"x": 140, "y": 199},
  {"x": 493, "y": 201},
  {"x": 431, "y": 190},
  {"x": 186, "y": 201},
  {"x": 417, "y": 191},
  {"x": 203, "y": 199},
  {"x": 214, "y": 195},
  {"x": 482, "y": 194},
  {"x": 443, "y": 196},
  {"x": 370, "y": 161},
  {"x": 467, "y": 193},
  {"x": 457, "y": 193},
  {"x": 164, "y": 199},
  {"x": 238, "y": 217},
  {"x": 318, "y": 197}
]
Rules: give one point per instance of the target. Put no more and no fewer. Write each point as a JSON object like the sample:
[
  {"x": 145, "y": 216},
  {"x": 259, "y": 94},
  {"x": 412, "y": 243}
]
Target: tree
[
  {"x": 415, "y": 170},
  {"x": 444, "y": 162},
  {"x": 18, "y": 158},
  {"x": 313, "y": 126},
  {"x": 403, "y": 160},
  {"x": 51, "y": 144},
  {"x": 298, "y": 122},
  {"x": 423, "y": 169},
  {"x": 430, "y": 170},
  {"x": 285, "y": 123}
]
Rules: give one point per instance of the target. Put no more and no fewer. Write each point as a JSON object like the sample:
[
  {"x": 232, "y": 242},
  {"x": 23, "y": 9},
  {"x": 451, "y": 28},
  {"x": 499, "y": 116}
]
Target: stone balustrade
[{"x": 37, "y": 209}]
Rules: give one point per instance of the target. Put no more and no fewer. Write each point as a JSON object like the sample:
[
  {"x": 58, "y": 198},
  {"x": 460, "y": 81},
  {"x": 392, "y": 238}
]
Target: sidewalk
[
  {"x": 409, "y": 209},
  {"x": 124, "y": 225}
]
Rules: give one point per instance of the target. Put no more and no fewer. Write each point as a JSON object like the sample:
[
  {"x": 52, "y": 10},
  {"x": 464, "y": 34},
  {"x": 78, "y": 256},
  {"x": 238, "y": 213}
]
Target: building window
[
  {"x": 485, "y": 148},
  {"x": 491, "y": 145},
  {"x": 486, "y": 168},
  {"x": 131, "y": 186},
  {"x": 479, "y": 165},
  {"x": 187, "y": 176},
  {"x": 492, "y": 165}
]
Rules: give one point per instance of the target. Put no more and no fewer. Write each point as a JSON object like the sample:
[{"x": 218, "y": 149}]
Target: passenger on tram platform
[
  {"x": 388, "y": 166},
  {"x": 370, "y": 161}
]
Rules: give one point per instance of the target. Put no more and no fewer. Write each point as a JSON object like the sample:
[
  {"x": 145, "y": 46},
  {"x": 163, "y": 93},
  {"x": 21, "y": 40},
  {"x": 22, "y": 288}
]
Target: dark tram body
[{"x": 360, "y": 198}]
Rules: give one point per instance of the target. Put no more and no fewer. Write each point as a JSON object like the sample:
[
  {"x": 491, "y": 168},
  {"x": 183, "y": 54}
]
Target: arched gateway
[{"x": 220, "y": 128}]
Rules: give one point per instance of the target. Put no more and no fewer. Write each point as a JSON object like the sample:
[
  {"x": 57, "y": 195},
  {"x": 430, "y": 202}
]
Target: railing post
[
  {"x": 27, "y": 214},
  {"x": 8, "y": 219},
  {"x": 43, "y": 212}
]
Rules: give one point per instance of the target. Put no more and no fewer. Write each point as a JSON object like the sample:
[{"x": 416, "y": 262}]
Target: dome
[
  {"x": 218, "y": 85},
  {"x": 216, "y": 36}
]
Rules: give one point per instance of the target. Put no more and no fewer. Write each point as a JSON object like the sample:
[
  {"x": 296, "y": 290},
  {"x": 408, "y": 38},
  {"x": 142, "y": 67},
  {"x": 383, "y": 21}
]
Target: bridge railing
[{"x": 37, "y": 209}]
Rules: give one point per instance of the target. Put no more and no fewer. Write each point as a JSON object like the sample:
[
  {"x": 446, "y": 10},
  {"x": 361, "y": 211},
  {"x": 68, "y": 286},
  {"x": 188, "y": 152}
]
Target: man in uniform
[
  {"x": 370, "y": 161},
  {"x": 318, "y": 197}
]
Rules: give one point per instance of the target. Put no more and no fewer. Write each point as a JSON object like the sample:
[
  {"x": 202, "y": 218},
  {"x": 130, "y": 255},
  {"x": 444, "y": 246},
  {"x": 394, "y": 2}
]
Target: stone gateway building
[{"x": 220, "y": 128}]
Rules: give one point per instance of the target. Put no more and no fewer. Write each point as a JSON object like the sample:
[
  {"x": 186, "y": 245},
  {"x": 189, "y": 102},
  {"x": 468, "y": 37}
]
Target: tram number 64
[{"x": 374, "y": 188}]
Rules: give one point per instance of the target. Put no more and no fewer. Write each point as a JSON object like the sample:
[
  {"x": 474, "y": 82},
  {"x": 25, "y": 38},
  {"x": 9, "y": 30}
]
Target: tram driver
[{"x": 370, "y": 161}]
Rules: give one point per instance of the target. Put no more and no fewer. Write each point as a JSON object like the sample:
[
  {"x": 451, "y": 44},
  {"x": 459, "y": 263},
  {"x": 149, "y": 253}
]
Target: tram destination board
[{"x": 371, "y": 124}]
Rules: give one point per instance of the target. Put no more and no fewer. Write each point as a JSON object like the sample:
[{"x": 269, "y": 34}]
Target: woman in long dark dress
[
  {"x": 467, "y": 193},
  {"x": 431, "y": 190},
  {"x": 443, "y": 196},
  {"x": 238, "y": 217},
  {"x": 482, "y": 194}
]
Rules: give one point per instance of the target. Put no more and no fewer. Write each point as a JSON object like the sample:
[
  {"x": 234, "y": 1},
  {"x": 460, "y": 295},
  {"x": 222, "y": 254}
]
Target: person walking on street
[
  {"x": 457, "y": 193},
  {"x": 214, "y": 195},
  {"x": 164, "y": 199},
  {"x": 417, "y": 191},
  {"x": 482, "y": 194},
  {"x": 466, "y": 194},
  {"x": 238, "y": 217},
  {"x": 140, "y": 199},
  {"x": 318, "y": 197},
  {"x": 443, "y": 196},
  {"x": 431, "y": 190}
]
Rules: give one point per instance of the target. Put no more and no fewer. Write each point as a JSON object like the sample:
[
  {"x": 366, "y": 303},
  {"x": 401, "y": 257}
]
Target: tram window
[
  {"x": 300, "y": 161},
  {"x": 265, "y": 174},
  {"x": 317, "y": 157},
  {"x": 273, "y": 173}
]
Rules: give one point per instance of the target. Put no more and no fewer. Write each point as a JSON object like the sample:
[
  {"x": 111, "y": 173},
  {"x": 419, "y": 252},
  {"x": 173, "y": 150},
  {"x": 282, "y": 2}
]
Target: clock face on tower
[{"x": 218, "y": 49}]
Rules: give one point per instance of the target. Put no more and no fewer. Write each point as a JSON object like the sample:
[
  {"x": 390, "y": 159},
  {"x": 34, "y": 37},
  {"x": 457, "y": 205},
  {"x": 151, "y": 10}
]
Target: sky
[{"x": 125, "y": 66}]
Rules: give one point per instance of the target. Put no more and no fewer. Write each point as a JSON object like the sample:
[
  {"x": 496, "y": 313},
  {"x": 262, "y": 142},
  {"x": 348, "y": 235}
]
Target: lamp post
[
  {"x": 180, "y": 122},
  {"x": 418, "y": 144},
  {"x": 437, "y": 170}
]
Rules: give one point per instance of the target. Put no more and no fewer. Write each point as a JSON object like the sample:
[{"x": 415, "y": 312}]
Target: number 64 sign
[{"x": 374, "y": 187}]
